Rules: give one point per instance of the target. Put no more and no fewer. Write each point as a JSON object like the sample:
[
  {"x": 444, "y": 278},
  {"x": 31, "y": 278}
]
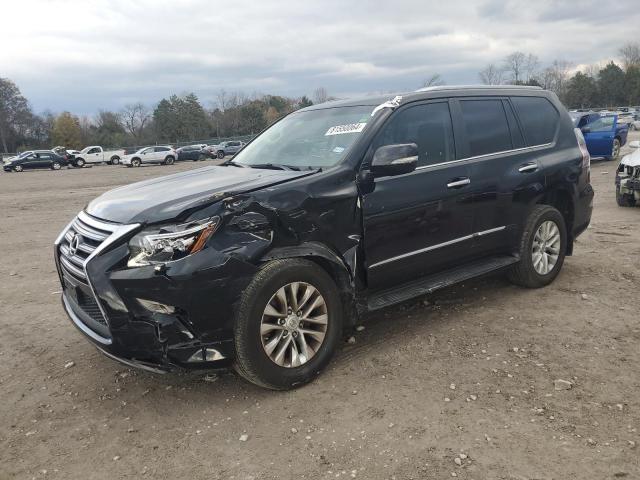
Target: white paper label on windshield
[{"x": 350, "y": 128}]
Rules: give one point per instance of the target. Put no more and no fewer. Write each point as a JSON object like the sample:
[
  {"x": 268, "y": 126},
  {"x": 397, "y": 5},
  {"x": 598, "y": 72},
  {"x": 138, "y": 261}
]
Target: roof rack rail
[{"x": 479, "y": 87}]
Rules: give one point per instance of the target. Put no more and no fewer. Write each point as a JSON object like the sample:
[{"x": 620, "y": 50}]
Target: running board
[{"x": 433, "y": 282}]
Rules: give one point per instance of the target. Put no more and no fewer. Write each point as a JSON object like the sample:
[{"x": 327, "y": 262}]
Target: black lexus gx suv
[{"x": 334, "y": 211}]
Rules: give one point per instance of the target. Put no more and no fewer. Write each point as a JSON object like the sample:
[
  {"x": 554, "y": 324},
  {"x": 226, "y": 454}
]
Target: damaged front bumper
[
  {"x": 628, "y": 181},
  {"x": 155, "y": 319}
]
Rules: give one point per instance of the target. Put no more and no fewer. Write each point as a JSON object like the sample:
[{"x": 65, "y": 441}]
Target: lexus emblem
[{"x": 74, "y": 243}]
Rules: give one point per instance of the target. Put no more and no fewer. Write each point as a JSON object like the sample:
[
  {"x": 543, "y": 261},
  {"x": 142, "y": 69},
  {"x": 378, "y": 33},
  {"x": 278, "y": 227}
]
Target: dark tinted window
[
  {"x": 538, "y": 118},
  {"x": 162, "y": 149},
  {"x": 428, "y": 126},
  {"x": 44, "y": 156},
  {"x": 486, "y": 125}
]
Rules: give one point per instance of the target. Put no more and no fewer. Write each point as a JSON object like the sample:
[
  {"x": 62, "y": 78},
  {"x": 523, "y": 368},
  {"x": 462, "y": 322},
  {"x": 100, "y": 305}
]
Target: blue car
[{"x": 602, "y": 132}]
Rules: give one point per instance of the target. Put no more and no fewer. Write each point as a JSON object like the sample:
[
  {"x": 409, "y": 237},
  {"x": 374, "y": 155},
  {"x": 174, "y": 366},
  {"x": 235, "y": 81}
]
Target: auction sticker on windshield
[{"x": 341, "y": 129}]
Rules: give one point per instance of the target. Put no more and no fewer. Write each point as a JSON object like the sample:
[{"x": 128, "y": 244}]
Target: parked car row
[{"x": 60, "y": 156}]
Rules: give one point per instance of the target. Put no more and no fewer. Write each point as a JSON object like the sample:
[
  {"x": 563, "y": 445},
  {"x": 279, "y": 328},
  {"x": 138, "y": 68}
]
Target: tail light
[{"x": 586, "y": 158}]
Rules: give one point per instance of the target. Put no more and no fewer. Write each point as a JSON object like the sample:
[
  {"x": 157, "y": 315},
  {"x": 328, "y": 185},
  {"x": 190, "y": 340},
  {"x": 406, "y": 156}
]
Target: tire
[
  {"x": 135, "y": 162},
  {"x": 56, "y": 166},
  {"x": 220, "y": 154},
  {"x": 252, "y": 360},
  {"x": 169, "y": 160},
  {"x": 18, "y": 168},
  {"x": 624, "y": 200},
  {"x": 80, "y": 163},
  {"x": 115, "y": 160},
  {"x": 525, "y": 273},
  {"x": 615, "y": 149}
]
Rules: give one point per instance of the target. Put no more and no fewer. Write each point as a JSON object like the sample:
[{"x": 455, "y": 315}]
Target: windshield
[{"x": 316, "y": 138}]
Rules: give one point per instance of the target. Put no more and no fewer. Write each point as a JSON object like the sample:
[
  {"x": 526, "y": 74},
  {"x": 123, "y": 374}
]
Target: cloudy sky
[{"x": 84, "y": 55}]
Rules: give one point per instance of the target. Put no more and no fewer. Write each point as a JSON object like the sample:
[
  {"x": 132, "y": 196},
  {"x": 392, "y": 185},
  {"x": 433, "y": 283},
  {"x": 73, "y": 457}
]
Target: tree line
[
  {"x": 176, "y": 119},
  {"x": 593, "y": 86}
]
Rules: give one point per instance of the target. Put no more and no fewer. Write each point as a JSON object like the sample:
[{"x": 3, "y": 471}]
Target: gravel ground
[{"x": 461, "y": 384}]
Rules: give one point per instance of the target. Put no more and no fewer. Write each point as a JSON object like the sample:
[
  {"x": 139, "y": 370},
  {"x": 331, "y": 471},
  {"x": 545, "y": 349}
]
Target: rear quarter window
[{"x": 538, "y": 117}]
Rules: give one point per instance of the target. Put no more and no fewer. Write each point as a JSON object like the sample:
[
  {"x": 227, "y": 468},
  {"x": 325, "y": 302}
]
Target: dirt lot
[{"x": 469, "y": 372}]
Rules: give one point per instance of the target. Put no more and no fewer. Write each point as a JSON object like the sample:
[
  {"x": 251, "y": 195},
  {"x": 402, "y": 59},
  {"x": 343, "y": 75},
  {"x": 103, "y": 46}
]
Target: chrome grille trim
[{"x": 96, "y": 235}]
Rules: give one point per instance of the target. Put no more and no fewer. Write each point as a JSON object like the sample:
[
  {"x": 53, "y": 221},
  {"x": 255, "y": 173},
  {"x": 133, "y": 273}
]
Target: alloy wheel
[
  {"x": 546, "y": 247},
  {"x": 294, "y": 324}
]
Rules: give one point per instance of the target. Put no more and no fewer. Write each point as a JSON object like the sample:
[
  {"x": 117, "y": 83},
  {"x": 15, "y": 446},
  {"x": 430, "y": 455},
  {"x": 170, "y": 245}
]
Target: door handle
[
  {"x": 528, "y": 167},
  {"x": 460, "y": 182}
]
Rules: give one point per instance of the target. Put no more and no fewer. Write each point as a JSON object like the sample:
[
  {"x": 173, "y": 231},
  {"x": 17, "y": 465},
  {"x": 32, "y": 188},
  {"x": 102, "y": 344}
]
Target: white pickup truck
[{"x": 96, "y": 154}]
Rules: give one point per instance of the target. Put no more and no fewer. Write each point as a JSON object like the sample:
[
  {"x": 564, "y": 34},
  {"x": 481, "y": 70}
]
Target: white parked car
[
  {"x": 160, "y": 154},
  {"x": 628, "y": 178},
  {"x": 96, "y": 154}
]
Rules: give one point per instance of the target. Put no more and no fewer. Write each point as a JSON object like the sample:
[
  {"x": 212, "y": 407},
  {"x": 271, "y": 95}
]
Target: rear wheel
[
  {"x": 288, "y": 324},
  {"x": 56, "y": 166},
  {"x": 135, "y": 162},
  {"x": 115, "y": 160},
  {"x": 542, "y": 248},
  {"x": 615, "y": 150},
  {"x": 169, "y": 160}
]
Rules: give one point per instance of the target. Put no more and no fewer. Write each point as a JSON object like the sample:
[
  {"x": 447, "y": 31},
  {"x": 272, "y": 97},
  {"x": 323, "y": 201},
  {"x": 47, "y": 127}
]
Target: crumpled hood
[
  {"x": 164, "y": 198},
  {"x": 633, "y": 159}
]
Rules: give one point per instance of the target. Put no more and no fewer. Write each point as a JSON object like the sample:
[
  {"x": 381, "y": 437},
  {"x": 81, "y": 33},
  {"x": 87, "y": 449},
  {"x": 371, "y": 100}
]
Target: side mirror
[
  {"x": 634, "y": 144},
  {"x": 392, "y": 160},
  {"x": 586, "y": 129}
]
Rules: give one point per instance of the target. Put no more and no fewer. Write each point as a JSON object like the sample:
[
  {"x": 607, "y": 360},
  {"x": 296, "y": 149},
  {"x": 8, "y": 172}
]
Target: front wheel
[
  {"x": 17, "y": 168},
  {"x": 220, "y": 154},
  {"x": 288, "y": 324},
  {"x": 542, "y": 248},
  {"x": 80, "y": 163},
  {"x": 135, "y": 162}
]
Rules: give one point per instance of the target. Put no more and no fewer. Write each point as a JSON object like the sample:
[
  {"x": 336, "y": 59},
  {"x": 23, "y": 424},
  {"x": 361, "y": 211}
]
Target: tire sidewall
[
  {"x": 115, "y": 161},
  {"x": 248, "y": 325},
  {"x": 555, "y": 216},
  {"x": 169, "y": 160},
  {"x": 80, "y": 163},
  {"x": 56, "y": 166},
  {"x": 220, "y": 154},
  {"x": 135, "y": 162}
]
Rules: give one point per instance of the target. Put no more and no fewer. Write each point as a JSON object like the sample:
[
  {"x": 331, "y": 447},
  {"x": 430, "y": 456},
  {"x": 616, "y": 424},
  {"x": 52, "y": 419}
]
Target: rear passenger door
[
  {"x": 420, "y": 222},
  {"x": 506, "y": 165}
]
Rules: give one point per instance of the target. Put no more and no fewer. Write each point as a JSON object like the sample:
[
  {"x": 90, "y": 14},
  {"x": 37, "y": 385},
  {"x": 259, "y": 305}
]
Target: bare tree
[
  {"x": 555, "y": 76},
  {"x": 515, "y": 65},
  {"x": 491, "y": 75},
  {"x": 531, "y": 65},
  {"x": 135, "y": 116},
  {"x": 630, "y": 54},
  {"x": 320, "y": 95},
  {"x": 434, "y": 80}
]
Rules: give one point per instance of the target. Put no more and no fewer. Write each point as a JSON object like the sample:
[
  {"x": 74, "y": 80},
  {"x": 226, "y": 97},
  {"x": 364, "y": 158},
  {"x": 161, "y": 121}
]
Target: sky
[{"x": 86, "y": 55}]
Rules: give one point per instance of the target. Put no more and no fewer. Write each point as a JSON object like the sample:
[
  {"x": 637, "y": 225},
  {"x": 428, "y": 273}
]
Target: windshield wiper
[
  {"x": 275, "y": 166},
  {"x": 231, "y": 162}
]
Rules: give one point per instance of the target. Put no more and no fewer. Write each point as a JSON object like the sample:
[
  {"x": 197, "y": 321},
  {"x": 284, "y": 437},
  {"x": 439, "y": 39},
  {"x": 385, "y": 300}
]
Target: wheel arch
[
  {"x": 331, "y": 263},
  {"x": 562, "y": 200}
]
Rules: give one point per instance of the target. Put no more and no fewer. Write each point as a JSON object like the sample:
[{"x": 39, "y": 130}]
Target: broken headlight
[{"x": 170, "y": 242}]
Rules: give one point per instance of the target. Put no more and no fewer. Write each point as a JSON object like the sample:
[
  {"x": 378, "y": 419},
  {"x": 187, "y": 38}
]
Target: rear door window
[
  {"x": 601, "y": 124},
  {"x": 428, "y": 126},
  {"x": 485, "y": 122},
  {"x": 538, "y": 117}
]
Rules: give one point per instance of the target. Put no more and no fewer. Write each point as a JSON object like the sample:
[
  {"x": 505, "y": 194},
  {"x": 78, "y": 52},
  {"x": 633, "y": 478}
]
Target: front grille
[{"x": 82, "y": 238}]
